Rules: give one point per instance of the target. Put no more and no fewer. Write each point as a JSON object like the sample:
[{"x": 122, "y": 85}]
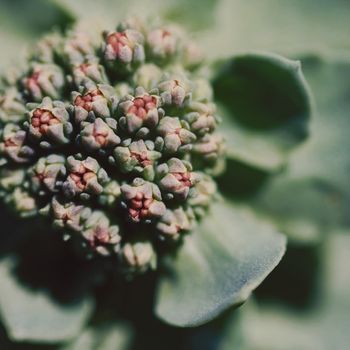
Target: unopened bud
[
  {"x": 102, "y": 237},
  {"x": 49, "y": 123},
  {"x": 85, "y": 177},
  {"x": 124, "y": 47},
  {"x": 43, "y": 80},
  {"x": 12, "y": 108},
  {"x": 139, "y": 111},
  {"x": 176, "y": 178},
  {"x": 143, "y": 201},
  {"x": 175, "y": 134},
  {"x": 137, "y": 157},
  {"x": 173, "y": 223},
  {"x": 138, "y": 257},
  {"x": 13, "y": 145}
]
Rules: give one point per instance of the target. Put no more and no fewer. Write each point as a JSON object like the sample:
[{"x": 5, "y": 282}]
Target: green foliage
[
  {"x": 265, "y": 108},
  {"x": 231, "y": 249},
  {"x": 287, "y": 171},
  {"x": 33, "y": 315}
]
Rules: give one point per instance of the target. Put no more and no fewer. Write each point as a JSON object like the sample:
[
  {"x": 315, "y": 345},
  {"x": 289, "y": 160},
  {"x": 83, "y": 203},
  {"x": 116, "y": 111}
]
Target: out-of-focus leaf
[
  {"x": 323, "y": 328},
  {"x": 313, "y": 196},
  {"x": 227, "y": 256},
  {"x": 325, "y": 156},
  {"x": 32, "y": 315},
  {"x": 287, "y": 27},
  {"x": 266, "y": 106},
  {"x": 195, "y": 15},
  {"x": 303, "y": 208},
  {"x": 291, "y": 288},
  {"x": 22, "y": 22},
  {"x": 111, "y": 336}
]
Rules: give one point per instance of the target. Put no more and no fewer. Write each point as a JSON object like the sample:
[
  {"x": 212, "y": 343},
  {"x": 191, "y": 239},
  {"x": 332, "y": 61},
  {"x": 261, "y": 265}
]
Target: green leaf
[
  {"x": 313, "y": 196},
  {"x": 110, "y": 336},
  {"x": 303, "y": 208},
  {"x": 106, "y": 14},
  {"x": 324, "y": 327},
  {"x": 325, "y": 156},
  {"x": 219, "y": 265},
  {"x": 23, "y": 22},
  {"x": 32, "y": 314},
  {"x": 265, "y": 105},
  {"x": 289, "y": 28}
]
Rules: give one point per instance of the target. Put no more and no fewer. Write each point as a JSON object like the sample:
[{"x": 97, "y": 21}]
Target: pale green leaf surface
[
  {"x": 265, "y": 106},
  {"x": 326, "y": 155},
  {"x": 314, "y": 194},
  {"x": 195, "y": 15},
  {"x": 22, "y": 22},
  {"x": 322, "y": 328},
  {"x": 287, "y": 27},
  {"x": 111, "y": 336},
  {"x": 221, "y": 262},
  {"x": 32, "y": 315}
]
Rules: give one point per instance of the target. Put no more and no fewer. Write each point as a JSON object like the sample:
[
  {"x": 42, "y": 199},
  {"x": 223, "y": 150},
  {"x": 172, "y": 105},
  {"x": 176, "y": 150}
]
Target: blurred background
[{"x": 304, "y": 304}]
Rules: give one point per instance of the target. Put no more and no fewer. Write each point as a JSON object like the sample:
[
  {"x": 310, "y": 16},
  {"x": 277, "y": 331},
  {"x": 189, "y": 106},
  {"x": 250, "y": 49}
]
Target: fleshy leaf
[
  {"x": 265, "y": 105},
  {"x": 219, "y": 265},
  {"x": 111, "y": 336},
  {"x": 22, "y": 22},
  {"x": 110, "y": 12},
  {"x": 32, "y": 315},
  {"x": 287, "y": 27},
  {"x": 313, "y": 196},
  {"x": 321, "y": 328}
]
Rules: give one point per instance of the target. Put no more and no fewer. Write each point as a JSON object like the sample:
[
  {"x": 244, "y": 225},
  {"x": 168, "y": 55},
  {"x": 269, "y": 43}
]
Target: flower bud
[
  {"x": 13, "y": 145},
  {"x": 111, "y": 192},
  {"x": 162, "y": 42},
  {"x": 139, "y": 111},
  {"x": 142, "y": 199},
  {"x": 205, "y": 190},
  {"x": 12, "y": 108},
  {"x": 94, "y": 102},
  {"x": 138, "y": 257},
  {"x": 88, "y": 73},
  {"x": 67, "y": 215},
  {"x": 123, "y": 47},
  {"x": 77, "y": 47},
  {"x": 85, "y": 177},
  {"x": 99, "y": 135},
  {"x": 175, "y": 91},
  {"x": 49, "y": 123},
  {"x": 175, "y": 134},
  {"x": 102, "y": 237},
  {"x": 22, "y": 203},
  {"x": 202, "y": 118},
  {"x": 210, "y": 147},
  {"x": 137, "y": 157},
  {"x": 43, "y": 80},
  {"x": 47, "y": 174},
  {"x": 10, "y": 179},
  {"x": 192, "y": 55},
  {"x": 44, "y": 50},
  {"x": 176, "y": 178},
  {"x": 202, "y": 92},
  {"x": 173, "y": 223},
  {"x": 148, "y": 76}
]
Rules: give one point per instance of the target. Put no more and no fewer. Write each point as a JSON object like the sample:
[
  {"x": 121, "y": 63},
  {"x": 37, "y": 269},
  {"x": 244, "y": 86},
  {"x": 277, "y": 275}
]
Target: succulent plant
[
  {"x": 213, "y": 253},
  {"x": 115, "y": 145},
  {"x": 81, "y": 133}
]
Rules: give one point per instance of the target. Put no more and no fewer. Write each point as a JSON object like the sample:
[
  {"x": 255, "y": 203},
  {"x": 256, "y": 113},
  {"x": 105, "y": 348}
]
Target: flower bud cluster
[{"x": 112, "y": 141}]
